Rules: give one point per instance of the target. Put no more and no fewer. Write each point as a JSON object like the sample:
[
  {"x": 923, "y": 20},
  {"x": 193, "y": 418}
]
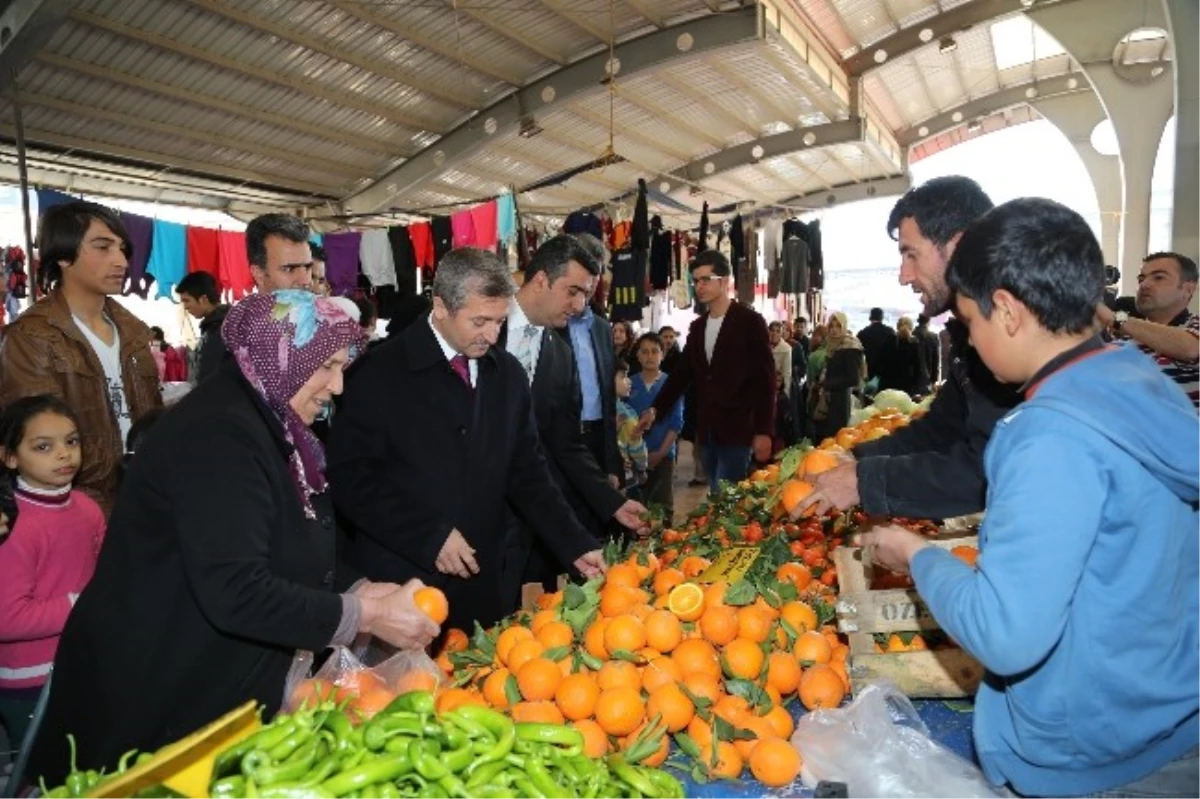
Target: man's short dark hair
[
  {"x": 287, "y": 226},
  {"x": 1187, "y": 267},
  {"x": 665, "y": 328},
  {"x": 367, "y": 312},
  {"x": 922, "y": 319},
  {"x": 199, "y": 284},
  {"x": 621, "y": 367},
  {"x": 157, "y": 333},
  {"x": 941, "y": 208},
  {"x": 554, "y": 256},
  {"x": 714, "y": 258},
  {"x": 775, "y": 326},
  {"x": 800, "y": 320},
  {"x": 318, "y": 252},
  {"x": 61, "y": 232},
  {"x": 876, "y": 315},
  {"x": 594, "y": 246},
  {"x": 653, "y": 338},
  {"x": 1042, "y": 253}
]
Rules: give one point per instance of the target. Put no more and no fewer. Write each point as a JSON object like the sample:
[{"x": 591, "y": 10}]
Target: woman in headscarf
[
  {"x": 844, "y": 370},
  {"x": 220, "y": 557}
]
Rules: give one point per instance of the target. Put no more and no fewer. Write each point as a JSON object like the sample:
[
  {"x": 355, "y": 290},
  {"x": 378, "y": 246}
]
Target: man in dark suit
[
  {"x": 877, "y": 340},
  {"x": 728, "y": 360},
  {"x": 435, "y": 437},
  {"x": 558, "y": 280}
]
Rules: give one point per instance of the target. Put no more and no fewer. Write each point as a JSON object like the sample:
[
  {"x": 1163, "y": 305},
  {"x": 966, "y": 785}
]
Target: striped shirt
[{"x": 1186, "y": 374}]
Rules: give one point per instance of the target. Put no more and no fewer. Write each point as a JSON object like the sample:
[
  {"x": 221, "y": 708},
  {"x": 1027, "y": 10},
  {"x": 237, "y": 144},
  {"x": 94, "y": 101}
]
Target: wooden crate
[{"x": 861, "y": 612}]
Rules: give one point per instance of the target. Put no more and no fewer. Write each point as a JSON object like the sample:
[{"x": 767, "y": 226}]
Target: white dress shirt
[
  {"x": 450, "y": 352},
  {"x": 524, "y": 338}
]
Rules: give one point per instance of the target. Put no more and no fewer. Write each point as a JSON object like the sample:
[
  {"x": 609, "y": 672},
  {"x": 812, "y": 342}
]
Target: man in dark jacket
[
  {"x": 200, "y": 297},
  {"x": 728, "y": 360},
  {"x": 930, "y": 348},
  {"x": 933, "y": 468},
  {"x": 877, "y": 338},
  {"x": 435, "y": 437}
]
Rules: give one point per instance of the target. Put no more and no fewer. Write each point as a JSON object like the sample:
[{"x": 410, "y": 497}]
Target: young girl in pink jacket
[{"x": 49, "y": 556}]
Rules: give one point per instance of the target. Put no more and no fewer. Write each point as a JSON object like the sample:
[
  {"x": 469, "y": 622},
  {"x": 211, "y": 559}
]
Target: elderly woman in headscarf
[
  {"x": 844, "y": 370},
  {"x": 220, "y": 558}
]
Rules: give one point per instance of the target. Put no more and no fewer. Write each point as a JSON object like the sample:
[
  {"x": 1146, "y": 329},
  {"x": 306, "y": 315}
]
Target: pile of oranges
[{"x": 666, "y": 656}]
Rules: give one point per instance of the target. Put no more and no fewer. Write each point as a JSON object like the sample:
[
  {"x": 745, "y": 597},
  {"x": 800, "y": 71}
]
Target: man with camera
[{"x": 1164, "y": 328}]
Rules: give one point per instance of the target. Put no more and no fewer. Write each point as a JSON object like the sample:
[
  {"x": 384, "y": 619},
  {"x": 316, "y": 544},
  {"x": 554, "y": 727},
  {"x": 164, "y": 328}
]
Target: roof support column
[
  {"x": 1139, "y": 110},
  {"x": 1076, "y": 115},
  {"x": 1184, "y": 17}
]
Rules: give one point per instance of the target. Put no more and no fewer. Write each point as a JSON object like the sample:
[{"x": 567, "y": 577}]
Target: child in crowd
[
  {"x": 1084, "y": 603},
  {"x": 785, "y": 432},
  {"x": 659, "y": 439},
  {"x": 50, "y": 554},
  {"x": 629, "y": 439}
]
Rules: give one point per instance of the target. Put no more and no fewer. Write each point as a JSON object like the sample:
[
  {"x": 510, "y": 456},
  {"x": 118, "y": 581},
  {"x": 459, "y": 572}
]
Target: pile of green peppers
[
  {"x": 82, "y": 783},
  {"x": 409, "y": 750}
]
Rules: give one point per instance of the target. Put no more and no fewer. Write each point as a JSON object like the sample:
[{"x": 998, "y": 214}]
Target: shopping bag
[{"x": 364, "y": 681}]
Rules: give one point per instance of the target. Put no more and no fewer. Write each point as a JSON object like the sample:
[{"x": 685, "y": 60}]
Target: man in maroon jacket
[{"x": 728, "y": 360}]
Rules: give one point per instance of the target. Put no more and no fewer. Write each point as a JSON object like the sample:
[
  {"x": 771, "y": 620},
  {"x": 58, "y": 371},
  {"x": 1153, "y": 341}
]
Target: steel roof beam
[
  {"x": 773, "y": 146},
  {"x": 577, "y": 19},
  {"x": 851, "y": 192},
  {"x": 508, "y": 32},
  {"x": 644, "y": 9},
  {"x": 908, "y": 40},
  {"x": 25, "y": 27},
  {"x": 304, "y": 87},
  {"x": 705, "y": 34},
  {"x": 437, "y": 89},
  {"x": 989, "y": 104}
]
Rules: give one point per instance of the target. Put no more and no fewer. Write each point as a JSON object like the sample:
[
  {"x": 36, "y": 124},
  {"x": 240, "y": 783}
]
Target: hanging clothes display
[
  {"x": 463, "y": 226},
  {"x": 420, "y": 235},
  {"x": 627, "y": 295},
  {"x": 793, "y": 265},
  {"x": 641, "y": 219},
  {"x": 168, "y": 256},
  {"x": 746, "y": 272},
  {"x": 702, "y": 244},
  {"x": 341, "y": 262},
  {"x": 234, "y": 263},
  {"x": 660, "y": 255},
  {"x": 619, "y": 236},
  {"x": 443, "y": 237},
  {"x": 141, "y": 238},
  {"x": 375, "y": 258},
  {"x": 816, "y": 260},
  {"x": 202, "y": 253},
  {"x": 506, "y": 218},
  {"x": 483, "y": 221},
  {"x": 404, "y": 259},
  {"x": 48, "y": 198},
  {"x": 584, "y": 222}
]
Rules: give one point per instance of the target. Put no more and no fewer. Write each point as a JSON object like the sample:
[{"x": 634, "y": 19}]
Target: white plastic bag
[{"x": 879, "y": 746}]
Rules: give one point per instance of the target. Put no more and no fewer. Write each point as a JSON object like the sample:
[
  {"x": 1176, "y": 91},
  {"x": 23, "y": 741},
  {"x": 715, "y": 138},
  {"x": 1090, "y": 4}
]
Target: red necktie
[{"x": 461, "y": 368}]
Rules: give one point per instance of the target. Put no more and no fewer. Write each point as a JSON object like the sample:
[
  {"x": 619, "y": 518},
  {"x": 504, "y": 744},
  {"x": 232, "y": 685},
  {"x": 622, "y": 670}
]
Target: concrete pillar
[
  {"x": 1139, "y": 111},
  {"x": 1076, "y": 115},
  {"x": 1184, "y": 18}
]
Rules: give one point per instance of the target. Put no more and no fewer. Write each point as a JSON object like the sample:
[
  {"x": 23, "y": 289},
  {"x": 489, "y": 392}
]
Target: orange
[
  {"x": 672, "y": 706},
  {"x": 780, "y": 721},
  {"x": 658, "y": 756},
  {"x": 595, "y": 740},
  {"x": 762, "y": 732},
  {"x": 456, "y": 640},
  {"x": 371, "y": 702},
  {"x": 622, "y": 574},
  {"x": 715, "y": 593},
  {"x": 775, "y": 763},
  {"x": 576, "y": 696},
  {"x": 644, "y": 571},
  {"x": 658, "y": 672},
  {"x": 619, "y": 711},
  {"x": 538, "y": 679},
  {"x": 812, "y": 647},
  {"x": 704, "y": 686},
  {"x": 663, "y": 631},
  {"x": 493, "y": 689},
  {"x": 444, "y": 663},
  {"x": 549, "y": 601},
  {"x": 967, "y": 554},
  {"x": 896, "y": 644},
  {"x": 800, "y": 616},
  {"x": 593, "y": 639},
  {"x": 311, "y": 693},
  {"x": 667, "y": 579},
  {"x": 624, "y": 632},
  {"x": 618, "y": 674},
  {"x": 508, "y": 639},
  {"x": 555, "y": 634},
  {"x": 541, "y": 619},
  {"x": 764, "y": 607},
  {"x": 454, "y": 698},
  {"x": 793, "y": 495},
  {"x": 693, "y": 566},
  {"x": 839, "y": 667},
  {"x": 733, "y": 709},
  {"x": 522, "y": 653},
  {"x": 847, "y": 437},
  {"x": 795, "y": 573},
  {"x": 719, "y": 624},
  {"x": 432, "y": 602},
  {"x": 686, "y": 601},
  {"x": 416, "y": 680},
  {"x": 729, "y": 763},
  {"x": 616, "y": 600},
  {"x": 821, "y": 687},
  {"x": 744, "y": 658},
  {"x": 537, "y": 712},
  {"x": 641, "y": 611},
  {"x": 817, "y": 461},
  {"x": 840, "y": 653},
  {"x": 697, "y": 656},
  {"x": 783, "y": 673},
  {"x": 701, "y": 732},
  {"x": 359, "y": 682},
  {"x": 917, "y": 644},
  {"x": 753, "y": 624}
]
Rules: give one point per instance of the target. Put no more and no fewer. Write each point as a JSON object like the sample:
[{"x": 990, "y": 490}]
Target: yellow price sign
[{"x": 731, "y": 566}]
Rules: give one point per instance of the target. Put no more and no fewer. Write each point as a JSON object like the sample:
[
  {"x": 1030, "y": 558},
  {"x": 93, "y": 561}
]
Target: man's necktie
[
  {"x": 527, "y": 350},
  {"x": 463, "y": 369}
]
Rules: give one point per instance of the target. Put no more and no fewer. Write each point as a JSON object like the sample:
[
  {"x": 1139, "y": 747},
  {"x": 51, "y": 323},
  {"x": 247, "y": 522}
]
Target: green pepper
[
  {"x": 458, "y": 759},
  {"x": 526, "y": 788},
  {"x": 425, "y": 763},
  {"x": 289, "y": 771},
  {"x": 668, "y": 786},
  {"x": 539, "y": 775},
  {"x": 555, "y": 734},
  {"x": 412, "y": 702},
  {"x": 338, "y": 723},
  {"x": 386, "y": 790},
  {"x": 379, "y": 729},
  {"x": 473, "y": 729},
  {"x": 251, "y": 790},
  {"x": 632, "y": 776},
  {"x": 293, "y": 791},
  {"x": 227, "y": 787},
  {"x": 452, "y": 786},
  {"x": 266, "y": 739},
  {"x": 61, "y": 792},
  {"x": 382, "y": 770},
  {"x": 289, "y": 745},
  {"x": 500, "y": 726},
  {"x": 323, "y": 771},
  {"x": 486, "y": 774},
  {"x": 493, "y": 792}
]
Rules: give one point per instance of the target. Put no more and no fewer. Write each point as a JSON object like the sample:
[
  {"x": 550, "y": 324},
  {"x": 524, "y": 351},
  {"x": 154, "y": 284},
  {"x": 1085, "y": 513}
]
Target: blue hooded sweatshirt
[{"x": 1084, "y": 607}]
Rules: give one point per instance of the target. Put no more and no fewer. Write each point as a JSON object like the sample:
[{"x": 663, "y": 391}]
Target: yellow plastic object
[
  {"x": 731, "y": 565},
  {"x": 186, "y": 766}
]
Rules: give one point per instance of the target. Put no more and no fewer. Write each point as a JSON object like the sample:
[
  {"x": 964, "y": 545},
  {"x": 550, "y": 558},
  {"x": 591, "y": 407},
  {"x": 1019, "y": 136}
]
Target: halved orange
[{"x": 686, "y": 601}]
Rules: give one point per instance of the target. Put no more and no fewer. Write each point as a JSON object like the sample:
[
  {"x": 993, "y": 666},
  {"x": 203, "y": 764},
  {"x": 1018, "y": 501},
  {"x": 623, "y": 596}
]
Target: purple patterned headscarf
[{"x": 279, "y": 341}]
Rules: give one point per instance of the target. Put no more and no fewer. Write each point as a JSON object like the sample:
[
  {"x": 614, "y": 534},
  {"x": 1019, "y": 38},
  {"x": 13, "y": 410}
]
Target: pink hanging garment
[
  {"x": 463, "y": 225},
  {"x": 484, "y": 218},
  {"x": 202, "y": 251},
  {"x": 234, "y": 263}
]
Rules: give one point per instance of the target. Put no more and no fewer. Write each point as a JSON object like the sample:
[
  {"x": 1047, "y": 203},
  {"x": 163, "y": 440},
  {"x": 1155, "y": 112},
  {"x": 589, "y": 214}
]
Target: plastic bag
[
  {"x": 366, "y": 689},
  {"x": 879, "y": 746}
]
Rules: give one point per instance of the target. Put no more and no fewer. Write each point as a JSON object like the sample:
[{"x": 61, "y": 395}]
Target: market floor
[{"x": 686, "y": 497}]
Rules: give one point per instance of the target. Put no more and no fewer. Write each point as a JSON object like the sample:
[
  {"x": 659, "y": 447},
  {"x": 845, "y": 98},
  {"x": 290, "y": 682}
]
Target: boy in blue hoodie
[{"x": 1084, "y": 605}]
